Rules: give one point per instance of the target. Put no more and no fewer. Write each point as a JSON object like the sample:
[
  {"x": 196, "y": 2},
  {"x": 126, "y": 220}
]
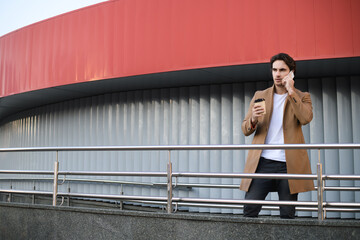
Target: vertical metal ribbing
[
  {"x": 56, "y": 171},
  {"x": 52, "y": 124},
  {"x": 169, "y": 185},
  {"x": 320, "y": 191}
]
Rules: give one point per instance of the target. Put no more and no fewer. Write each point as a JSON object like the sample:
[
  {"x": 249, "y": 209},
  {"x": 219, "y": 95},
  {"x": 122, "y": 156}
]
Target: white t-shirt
[{"x": 275, "y": 133}]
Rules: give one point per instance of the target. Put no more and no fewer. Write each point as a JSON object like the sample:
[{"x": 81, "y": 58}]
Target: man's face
[{"x": 279, "y": 71}]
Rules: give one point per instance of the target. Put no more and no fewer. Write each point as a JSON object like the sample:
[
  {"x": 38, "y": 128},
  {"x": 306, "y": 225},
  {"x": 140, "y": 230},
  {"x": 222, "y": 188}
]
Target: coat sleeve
[
  {"x": 246, "y": 124},
  {"x": 302, "y": 107}
]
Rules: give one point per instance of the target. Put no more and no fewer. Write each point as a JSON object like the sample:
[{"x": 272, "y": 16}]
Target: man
[{"x": 286, "y": 110}]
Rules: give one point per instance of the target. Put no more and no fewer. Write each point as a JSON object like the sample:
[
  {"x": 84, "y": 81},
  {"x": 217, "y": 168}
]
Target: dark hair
[{"x": 289, "y": 61}]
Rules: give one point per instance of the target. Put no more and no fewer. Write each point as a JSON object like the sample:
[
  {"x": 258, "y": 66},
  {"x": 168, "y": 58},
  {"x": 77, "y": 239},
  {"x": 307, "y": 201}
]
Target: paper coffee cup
[{"x": 260, "y": 102}]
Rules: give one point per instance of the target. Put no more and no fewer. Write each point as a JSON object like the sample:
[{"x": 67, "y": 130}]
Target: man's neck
[{"x": 280, "y": 90}]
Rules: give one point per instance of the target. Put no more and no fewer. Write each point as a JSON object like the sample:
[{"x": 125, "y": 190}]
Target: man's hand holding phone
[{"x": 288, "y": 82}]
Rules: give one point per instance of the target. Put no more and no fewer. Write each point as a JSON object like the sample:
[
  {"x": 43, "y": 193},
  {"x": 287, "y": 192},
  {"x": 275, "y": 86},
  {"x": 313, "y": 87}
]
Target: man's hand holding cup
[{"x": 258, "y": 110}]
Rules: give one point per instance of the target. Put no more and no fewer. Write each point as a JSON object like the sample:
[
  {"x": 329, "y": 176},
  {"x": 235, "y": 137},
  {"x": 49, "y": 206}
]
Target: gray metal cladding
[{"x": 209, "y": 114}]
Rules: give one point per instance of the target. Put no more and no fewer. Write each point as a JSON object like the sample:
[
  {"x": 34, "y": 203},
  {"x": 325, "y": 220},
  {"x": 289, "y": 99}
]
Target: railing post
[
  {"x": 169, "y": 185},
  {"x": 121, "y": 201},
  {"x": 33, "y": 196},
  {"x": 69, "y": 190},
  {"x": 320, "y": 190},
  {"x": 56, "y": 171},
  {"x": 10, "y": 195}
]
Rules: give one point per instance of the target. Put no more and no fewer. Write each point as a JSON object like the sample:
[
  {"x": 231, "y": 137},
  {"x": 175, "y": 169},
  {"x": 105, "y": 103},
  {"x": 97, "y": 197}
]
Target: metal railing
[{"x": 320, "y": 206}]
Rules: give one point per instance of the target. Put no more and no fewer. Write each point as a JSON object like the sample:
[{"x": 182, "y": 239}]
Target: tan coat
[{"x": 297, "y": 112}]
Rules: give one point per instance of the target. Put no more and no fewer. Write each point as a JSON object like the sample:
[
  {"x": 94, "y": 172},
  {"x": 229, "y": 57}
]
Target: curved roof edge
[
  {"x": 123, "y": 38},
  {"x": 204, "y": 76}
]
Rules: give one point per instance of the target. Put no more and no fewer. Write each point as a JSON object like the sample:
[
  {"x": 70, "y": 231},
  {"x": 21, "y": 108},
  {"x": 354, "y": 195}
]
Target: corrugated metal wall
[{"x": 189, "y": 115}]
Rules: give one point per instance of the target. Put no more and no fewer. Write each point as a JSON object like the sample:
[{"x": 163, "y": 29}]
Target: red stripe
[{"x": 134, "y": 37}]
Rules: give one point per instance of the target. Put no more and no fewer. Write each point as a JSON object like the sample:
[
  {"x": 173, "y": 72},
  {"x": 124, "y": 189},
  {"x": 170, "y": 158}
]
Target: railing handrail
[
  {"x": 164, "y": 174},
  {"x": 188, "y": 174},
  {"x": 320, "y": 177},
  {"x": 189, "y": 200},
  {"x": 185, "y": 147},
  {"x": 162, "y": 184}
]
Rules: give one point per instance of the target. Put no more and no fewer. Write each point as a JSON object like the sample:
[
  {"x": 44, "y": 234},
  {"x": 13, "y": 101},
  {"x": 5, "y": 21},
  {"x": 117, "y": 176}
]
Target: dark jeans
[{"x": 260, "y": 188}]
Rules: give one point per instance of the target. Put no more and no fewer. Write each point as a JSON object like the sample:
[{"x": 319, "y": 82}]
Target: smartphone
[{"x": 291, "y": 74}]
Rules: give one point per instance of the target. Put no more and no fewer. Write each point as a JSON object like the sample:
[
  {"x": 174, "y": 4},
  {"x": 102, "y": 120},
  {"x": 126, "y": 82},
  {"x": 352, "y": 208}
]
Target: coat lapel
[
  {"x": 286, "y": 101},
  {"x": 269, "y": 98}
]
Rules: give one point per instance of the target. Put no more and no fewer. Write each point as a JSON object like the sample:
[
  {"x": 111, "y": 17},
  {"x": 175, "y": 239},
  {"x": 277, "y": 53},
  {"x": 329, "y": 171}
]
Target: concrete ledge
[{"x": 23, "y": 221}]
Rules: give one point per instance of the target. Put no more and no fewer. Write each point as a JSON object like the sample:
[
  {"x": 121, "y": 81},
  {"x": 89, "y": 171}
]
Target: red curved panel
[{"x": 133, "y": 37}]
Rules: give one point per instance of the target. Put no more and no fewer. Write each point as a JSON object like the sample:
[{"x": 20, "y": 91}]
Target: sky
[{"x": 15, "y": 14}]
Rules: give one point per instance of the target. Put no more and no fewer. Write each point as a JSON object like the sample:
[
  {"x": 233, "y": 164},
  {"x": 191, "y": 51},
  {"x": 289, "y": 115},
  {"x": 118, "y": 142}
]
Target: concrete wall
[{"x": 21, "y": 221}]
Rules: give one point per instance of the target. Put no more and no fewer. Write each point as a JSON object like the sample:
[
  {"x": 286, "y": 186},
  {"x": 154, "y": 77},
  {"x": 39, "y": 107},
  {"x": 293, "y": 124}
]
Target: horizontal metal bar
[
  {"x": 231, "y": 206},
  {"x": 341, "y": 204},
  {"x": 81, "y": 173},
  {"x": 148, "y": 202},
  {"x": 330, "y": 206},
  {"x": 236, "y": 186},
  {"x": 262, "y": 202},
  {"x": 110, "y": 196},
  {"x": 199, "y": 185},
  {"x": 194, "y": 200},
  {"x": 342, "y": 209},
  {"x": 185, "y": 147},
  {"x": 39, "y": 172},
  {"x": 239, "y": 206},
  {"x": 101, "y": 181},
  {"x": 25, "y": 192},
  {"x": 341, "y": 177},
  {"x": 273, "y": 208},
  {"x": 108, "y": 182},
  {"x": 267, "y": 203},
  {"x": 141, "y": 174},
  {"x": 175, "y": 174},
  {"x": 84, "y": 195},
  {"x": 178, "y": 185},
  {"x": 342, "y": 188},
  {"x": 220, "y": 205},
  {"x": 246, "y": 175},
  {"x": 184, "y": 174}
]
